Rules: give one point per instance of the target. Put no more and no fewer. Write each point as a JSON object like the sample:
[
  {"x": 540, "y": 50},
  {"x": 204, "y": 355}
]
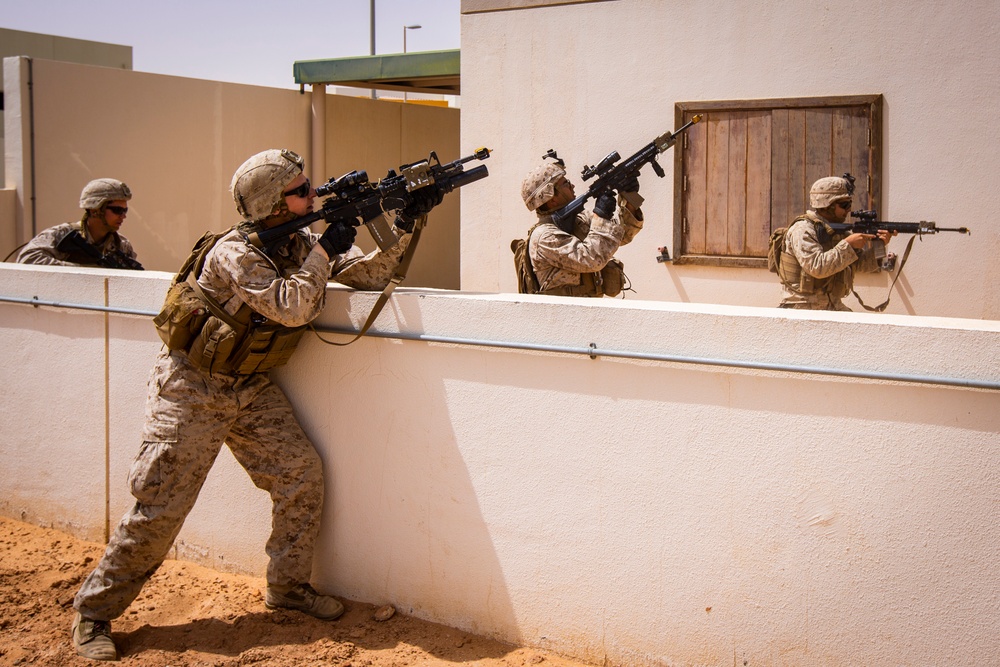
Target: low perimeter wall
[{"x": 634, "y": 511}]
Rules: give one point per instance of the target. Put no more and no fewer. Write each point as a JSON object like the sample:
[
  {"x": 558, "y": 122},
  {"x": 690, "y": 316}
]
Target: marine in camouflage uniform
[
  {"x": 99, "y": 227},
  {"x": 190, "y": 413},
  {"x": 571, "y": 263},
  {"x": 817, "y": 265}
]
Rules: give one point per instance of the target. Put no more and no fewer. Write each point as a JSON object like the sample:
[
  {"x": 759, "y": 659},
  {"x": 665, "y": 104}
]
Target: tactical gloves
[
  {"x": 338, "y": 238},
  {"x": 605, "y": 206},
  {"x": 631, "y": 185},
  {"x": 424, "y": 199}
]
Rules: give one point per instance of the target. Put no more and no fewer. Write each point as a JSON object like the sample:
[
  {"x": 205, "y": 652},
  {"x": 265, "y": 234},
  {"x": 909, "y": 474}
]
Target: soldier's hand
[
  {"x": 424, "y": 199},
  {"x": 858, "y": 241},
  {"x": 338, "y": 238},
  {"x": 885, "y": 235},
  {"x": 605, "y": 206},
  {"x": 630, "y": 184}
]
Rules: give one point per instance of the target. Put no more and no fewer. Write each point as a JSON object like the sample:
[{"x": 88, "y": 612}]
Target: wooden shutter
[{"x": 746, "y": 169}]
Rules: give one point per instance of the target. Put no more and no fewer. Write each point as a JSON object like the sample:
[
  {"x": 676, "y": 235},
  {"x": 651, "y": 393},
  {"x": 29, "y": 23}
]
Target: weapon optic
[{"x": 354, "y": 200}]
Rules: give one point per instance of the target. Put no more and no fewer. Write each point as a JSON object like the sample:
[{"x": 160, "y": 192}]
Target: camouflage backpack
[
  {"x": 774, "y": 247},
  {"x": 184, "y": 312},
  {"x": 527, "y": 281}
]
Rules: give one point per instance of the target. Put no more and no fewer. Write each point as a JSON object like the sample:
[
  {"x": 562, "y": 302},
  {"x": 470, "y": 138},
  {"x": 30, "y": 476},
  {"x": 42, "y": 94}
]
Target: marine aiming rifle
[
  {"x": 868, "y": 223},
  {"x": 612, "y": 174},
  {"x": 79, "y": 251},
  {"x": 354, "y": 200}
]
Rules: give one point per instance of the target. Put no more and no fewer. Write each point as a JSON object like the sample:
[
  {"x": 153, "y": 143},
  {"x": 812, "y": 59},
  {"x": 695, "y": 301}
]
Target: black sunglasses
[
  {"x": 301, "y": 191},
  {"x": 118, "y": 210}
]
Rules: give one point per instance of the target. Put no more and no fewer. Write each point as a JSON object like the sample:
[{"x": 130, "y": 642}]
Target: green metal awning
[{"x": 435, "y": 72}]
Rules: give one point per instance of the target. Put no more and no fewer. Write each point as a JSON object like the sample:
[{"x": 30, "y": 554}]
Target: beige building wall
[
  {"x": 589, "y": 78},
  {"x": 682, "y": 509},
  {"x": 177, "y": 141},
  {"x": 51, "y": 47}
]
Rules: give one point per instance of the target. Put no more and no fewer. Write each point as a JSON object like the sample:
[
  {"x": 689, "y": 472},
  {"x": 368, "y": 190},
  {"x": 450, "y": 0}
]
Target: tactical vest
[
  {"x": 609, "y": 281},
  {"x": 790, "y": 271},
  {"x": 214, "y": 340}
]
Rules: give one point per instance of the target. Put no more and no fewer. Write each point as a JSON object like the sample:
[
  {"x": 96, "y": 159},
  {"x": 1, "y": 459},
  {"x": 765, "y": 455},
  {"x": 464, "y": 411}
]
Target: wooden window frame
[{"x": 778, "y": 206}]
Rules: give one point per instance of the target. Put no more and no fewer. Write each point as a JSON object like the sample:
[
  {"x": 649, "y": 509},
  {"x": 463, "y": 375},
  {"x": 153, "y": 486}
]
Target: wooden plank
[
  {"x": 777, "y": 103},
  {"x": 780, "y": 213},
  {"x": 798, "y": 189},
  {"x": 819, "y": 124},
  {"x": 841, "y": 142},
  {"x": 860, "y": 160},
  {"x": 695, "y": 197},
  {"x": 736, "y": 196},
  {"x": 874, "y": 119},
  {"x": 758, "y": 208},
  {"x": 717, "y": 190}
]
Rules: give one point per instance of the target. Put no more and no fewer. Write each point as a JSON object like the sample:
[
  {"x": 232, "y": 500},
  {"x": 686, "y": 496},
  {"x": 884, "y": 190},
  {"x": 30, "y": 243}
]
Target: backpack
[
  {"x": 184, "y": 312},
  {"x": 527, "y": 281},
  {"x": 775, "y": 245}
]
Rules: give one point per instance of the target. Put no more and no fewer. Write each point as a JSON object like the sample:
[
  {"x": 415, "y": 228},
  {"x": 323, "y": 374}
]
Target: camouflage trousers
[{"x": 188, "y": 417}]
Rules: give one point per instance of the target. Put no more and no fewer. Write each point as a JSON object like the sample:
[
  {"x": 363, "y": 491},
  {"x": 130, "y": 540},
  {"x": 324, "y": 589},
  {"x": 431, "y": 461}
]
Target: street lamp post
[{"x": 405, "y": 28}]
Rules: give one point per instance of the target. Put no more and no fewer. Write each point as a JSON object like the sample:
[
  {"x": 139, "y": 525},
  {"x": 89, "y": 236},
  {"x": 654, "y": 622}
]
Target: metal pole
[
  {"x": 372, "y": 27},
  {"x": 405, "y": 28}
]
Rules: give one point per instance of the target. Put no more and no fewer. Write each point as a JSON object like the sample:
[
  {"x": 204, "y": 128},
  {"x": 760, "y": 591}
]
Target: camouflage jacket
[
  {"x": 561, "y": 259},
  {"x": 42, "y": 249},
  {"x": 290, "y": 286},
  {"x": 827, "y": 266}
]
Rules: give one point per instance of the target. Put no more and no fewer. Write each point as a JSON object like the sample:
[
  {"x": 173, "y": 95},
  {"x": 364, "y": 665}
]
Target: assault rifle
[
  {"x": 612, "y": 174},
  {"x": 87, "y": 254},
  {"x": 868, "y": 223},
  {"x": 354, "y": 200}
]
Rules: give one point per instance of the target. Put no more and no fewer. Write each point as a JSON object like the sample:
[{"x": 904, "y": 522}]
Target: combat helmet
[
  {"x": 100, "y": 191},
  {"x": 538, "y": 186},
  {"x": 829, "y": 190},
  {"x": 259, "y": 182}
]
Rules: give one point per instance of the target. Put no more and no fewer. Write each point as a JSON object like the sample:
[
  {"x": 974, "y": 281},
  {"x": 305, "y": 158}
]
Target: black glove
[
  {"x": 606, "y": 205},
  {"x": 630, "y": 185},
  {"x": 338, "y": 238},
  {"x": 424, "y": 199}
]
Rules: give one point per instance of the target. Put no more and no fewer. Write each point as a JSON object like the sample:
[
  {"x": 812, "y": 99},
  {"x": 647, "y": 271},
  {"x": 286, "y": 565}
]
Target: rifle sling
[
  {"x": 879, "y": 308},
  {"x": 398, "y": 275}
]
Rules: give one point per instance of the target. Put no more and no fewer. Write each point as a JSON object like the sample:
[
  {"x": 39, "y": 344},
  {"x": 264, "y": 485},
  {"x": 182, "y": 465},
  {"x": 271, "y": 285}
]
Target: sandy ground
[{"x": 190, "y": 615}]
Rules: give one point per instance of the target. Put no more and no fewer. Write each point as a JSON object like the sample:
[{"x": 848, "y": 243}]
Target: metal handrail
[{"x": 591, "y": 351}]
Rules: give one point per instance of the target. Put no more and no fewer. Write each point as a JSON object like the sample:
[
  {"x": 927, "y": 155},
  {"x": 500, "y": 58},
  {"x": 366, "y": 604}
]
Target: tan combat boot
[
  {"x": 304, "y": 598},
  {"x": 92, "y": 639}
]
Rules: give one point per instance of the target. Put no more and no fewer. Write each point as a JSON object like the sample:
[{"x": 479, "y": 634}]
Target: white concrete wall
[
  {"x": 639, "y": 512},
  {"x": 590, "y": 78}
]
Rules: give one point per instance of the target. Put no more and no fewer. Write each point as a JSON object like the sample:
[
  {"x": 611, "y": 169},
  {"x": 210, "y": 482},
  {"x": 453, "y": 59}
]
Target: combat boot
[
  {"x": 92, "y": 639},
  {"x": 304, "y": 598}
]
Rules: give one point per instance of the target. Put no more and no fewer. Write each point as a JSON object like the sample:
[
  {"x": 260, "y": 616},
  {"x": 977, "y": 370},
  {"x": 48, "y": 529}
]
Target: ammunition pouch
[
  {"x": 613, "y": 278},
  {"x": 588, "y": 287},
  {"x": 182, "y": 317},
  {"x": 265, "y": 347}
]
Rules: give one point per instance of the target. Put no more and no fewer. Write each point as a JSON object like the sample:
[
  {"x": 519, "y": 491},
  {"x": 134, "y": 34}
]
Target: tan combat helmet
[
  {"x": 828, "y": 190},
  {"x": 539, "y": 185},
  {"x": 100, "y": 191},
  {"x": 259, "y": 182}
]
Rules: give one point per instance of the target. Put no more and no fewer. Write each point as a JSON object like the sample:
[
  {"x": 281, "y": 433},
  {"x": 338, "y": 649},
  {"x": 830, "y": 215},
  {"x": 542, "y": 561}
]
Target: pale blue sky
[{"x": 244, "y": 41}]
